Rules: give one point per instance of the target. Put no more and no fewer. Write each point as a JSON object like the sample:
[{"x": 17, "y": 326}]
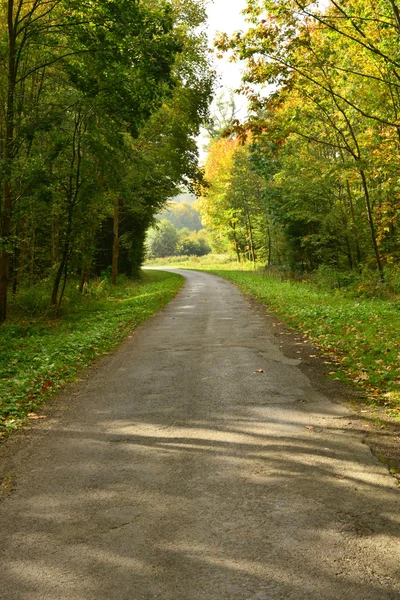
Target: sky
[{"x": 225, "y": 16}]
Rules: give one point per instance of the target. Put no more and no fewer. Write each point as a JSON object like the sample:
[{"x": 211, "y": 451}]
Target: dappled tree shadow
[
  {"x": 189, "y": 477},
  {"x": 200, "y": 508}
]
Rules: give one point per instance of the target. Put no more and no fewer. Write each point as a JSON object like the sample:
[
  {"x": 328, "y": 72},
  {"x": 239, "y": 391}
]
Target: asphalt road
[{"x": 177, "y": 472}]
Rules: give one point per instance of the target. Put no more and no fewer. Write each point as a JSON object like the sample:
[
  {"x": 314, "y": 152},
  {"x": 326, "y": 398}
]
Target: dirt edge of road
[
  {"x": 17, "y": 444},
  {"x": 372, "y": 423}
]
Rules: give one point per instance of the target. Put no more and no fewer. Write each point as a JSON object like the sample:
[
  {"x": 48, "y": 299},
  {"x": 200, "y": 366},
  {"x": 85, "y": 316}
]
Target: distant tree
[
  {"x": 182, "y": 215},
  {"x": 162, "y": 240},
  {"x": 223, "y": 116},
  {"x": 193, "y": 243},
  {"x": 216, "y": 210}
]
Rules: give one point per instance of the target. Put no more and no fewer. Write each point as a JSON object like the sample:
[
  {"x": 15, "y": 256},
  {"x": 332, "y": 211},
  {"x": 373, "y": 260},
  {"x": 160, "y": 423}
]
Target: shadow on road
[{"x": 201, "y": 510}]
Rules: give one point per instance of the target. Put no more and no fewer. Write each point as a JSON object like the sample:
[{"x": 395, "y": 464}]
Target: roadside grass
[
  {"x": 40, "y": 353},
  {"x": 198, "y": 262},
  {"x": 360, "y": 335}
]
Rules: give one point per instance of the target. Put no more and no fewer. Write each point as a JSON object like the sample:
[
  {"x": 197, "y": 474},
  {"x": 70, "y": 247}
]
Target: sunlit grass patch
[
  {"x": 38, "y": 356},
  {"x": 209, "y": 261}
]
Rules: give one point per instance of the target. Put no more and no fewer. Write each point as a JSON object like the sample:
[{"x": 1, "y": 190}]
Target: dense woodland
[
  {"x": 100, "y": 106},
  {"x": 311, "y": 181}
]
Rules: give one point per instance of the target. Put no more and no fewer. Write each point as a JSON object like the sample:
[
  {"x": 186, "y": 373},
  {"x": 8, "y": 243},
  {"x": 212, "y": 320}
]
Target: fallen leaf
[
  {"x": 34, "y": 416},
  {"x": 362, "y": 376},
  {"x": 259, "y": 371}
]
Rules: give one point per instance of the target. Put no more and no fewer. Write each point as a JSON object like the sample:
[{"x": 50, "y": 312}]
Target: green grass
[
  {"x": 40, "y": 354},
  {"x": 197, "y": 262},
  {"x": 360, "y": 335}
]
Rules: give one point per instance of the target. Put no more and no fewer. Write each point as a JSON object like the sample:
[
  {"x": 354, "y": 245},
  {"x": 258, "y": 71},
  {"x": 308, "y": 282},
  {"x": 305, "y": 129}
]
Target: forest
[
  {"x": 310, "y": 182},
  {"x": 100, "y": 106}
]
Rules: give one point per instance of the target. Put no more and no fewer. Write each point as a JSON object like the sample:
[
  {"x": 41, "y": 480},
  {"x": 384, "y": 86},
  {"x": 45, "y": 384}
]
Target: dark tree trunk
[
  {"x": 85, "y": 277},
  {"x": 16, "y": 268},
  {"x": 372, "y": 226},
  {"x": 57, "y": 281},
  {"x": 269, "y": 260},
  {"x": 237, "y": 249},
  {"x": 251, "y": 240},
  {"x": 354, "y": 224},
  {"x": 115, "y": 253},
  {"x": 6, "y": 209},
  {"x": 349, "y": 253},
  {"x": 64, "y": 284}
]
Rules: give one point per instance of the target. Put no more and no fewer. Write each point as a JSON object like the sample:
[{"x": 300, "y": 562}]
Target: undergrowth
[{"x": 41, "y": 351}]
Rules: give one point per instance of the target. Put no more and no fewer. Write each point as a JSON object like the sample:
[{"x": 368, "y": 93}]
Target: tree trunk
[
  {"x": 269, "y": 246},
  {"x": 53, "y": 245},
  {"x": 6, "y": 211},
  {"x": 354, "y": 224},
  {"x": 62, "y": 268},
  {"x": 32, "y": 253},
  {"x": 372, "y": 226},
  {"x": 5, "y": 251},
  {"x": 251, "y": 240},
  {"x": 16, "y": 268},
  {"x": 115, "y": 254},
  {"x": 85, "y": 276},
  {"x": 349, "y": 253},
  {"x": 72, "y": 198},
  {"x": 57, "y": 281},
  {"x": 64, "y": 284},
  {"x": 4, "y": 278},
  {"x": 235, "y": 242},
  {"x": 83, "y": 279}
]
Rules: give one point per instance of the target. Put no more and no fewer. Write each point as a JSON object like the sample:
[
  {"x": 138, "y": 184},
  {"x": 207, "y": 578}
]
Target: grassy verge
[
  {"x": 360, "y": 335},
  {"x": 209, "y": 261},
  {"x": 39, "y": 355}
]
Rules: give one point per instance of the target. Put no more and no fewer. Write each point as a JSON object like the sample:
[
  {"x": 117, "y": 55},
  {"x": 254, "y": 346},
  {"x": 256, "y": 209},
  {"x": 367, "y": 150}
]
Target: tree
[
  {"x": 193, "y": 243},
  {"x": 335, "y": 103},
  {"x": 223, "y": 116},
  {"x": 214, "y": 205},
  {"x": 127, "y": 45},
  {"x": 182, "y": 215},
  {"x": 98, "y": 125},
  {"x": 162, "y": 240}
]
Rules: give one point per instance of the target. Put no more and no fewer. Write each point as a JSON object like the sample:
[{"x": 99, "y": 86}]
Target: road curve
[{"x": 177, "y": 472}]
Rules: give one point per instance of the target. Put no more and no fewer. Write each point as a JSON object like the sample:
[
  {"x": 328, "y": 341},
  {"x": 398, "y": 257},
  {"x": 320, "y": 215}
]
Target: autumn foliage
[{"x": 324, "y": 91}]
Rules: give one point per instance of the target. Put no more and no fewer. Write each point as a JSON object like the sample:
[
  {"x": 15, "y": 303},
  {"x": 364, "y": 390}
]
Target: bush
[
  {"x": 32, "y": 301},
  {"x": 327, "y": 277},
  {"x": 162, "y": 240}
]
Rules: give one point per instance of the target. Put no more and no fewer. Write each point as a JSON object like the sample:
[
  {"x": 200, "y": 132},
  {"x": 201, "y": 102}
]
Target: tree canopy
[
  {"x": 322, "y": 139},
  {"x": 100, "y": 105}
]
